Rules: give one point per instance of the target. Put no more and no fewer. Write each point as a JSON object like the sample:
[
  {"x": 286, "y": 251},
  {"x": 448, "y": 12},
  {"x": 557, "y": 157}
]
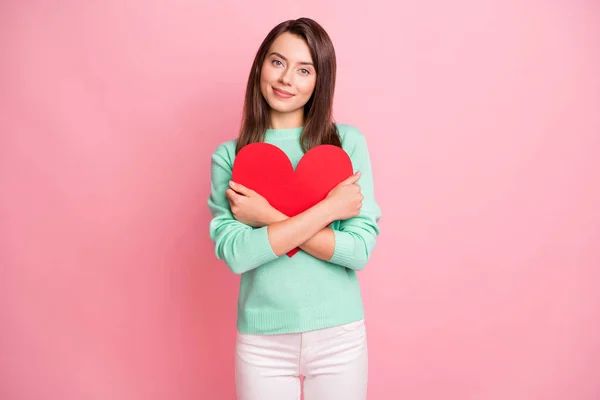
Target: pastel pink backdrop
[{"x": 484, "y": 127}]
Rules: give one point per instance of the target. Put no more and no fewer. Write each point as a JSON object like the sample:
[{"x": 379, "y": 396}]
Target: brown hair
[{"x": 319, "y": 127}]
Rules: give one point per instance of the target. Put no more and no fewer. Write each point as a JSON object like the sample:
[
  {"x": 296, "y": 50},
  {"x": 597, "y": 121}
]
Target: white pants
[{"x": 333, "y": 362}]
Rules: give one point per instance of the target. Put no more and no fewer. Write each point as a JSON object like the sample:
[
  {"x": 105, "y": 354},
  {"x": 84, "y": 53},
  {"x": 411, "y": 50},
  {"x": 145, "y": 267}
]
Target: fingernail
[{"x": 232, "y": 183}]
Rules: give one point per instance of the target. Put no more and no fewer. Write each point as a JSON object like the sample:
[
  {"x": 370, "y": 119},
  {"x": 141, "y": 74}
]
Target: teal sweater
[{"x": 282, "y": 294}]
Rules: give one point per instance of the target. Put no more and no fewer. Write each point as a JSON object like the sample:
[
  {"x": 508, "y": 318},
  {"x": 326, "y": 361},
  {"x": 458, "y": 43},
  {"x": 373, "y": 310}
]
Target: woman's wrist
[
  {"x": 276, "y": 216},
  {"x": 327, "y": 210}
]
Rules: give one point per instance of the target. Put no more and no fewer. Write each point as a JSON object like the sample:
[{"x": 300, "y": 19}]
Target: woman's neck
[{"x": 286, "y": 120}]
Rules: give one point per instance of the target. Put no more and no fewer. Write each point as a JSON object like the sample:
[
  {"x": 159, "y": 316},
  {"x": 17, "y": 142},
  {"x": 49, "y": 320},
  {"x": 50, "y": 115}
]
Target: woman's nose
[{"x": 285, "y": 77}]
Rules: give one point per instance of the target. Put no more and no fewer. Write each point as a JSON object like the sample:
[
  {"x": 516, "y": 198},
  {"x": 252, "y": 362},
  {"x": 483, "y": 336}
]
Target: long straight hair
[{"x": 319, "y": 127}]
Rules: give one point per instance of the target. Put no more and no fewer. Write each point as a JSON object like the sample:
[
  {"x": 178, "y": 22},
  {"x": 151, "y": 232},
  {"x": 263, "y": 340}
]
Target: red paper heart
[{"x": 266, "y": 169}]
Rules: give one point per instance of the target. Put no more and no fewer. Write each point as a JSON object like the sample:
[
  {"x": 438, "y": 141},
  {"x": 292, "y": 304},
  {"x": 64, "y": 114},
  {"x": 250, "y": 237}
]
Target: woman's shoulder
[
  {"x": 351, "y": 136},
  {"x": 225, "y": 150}
]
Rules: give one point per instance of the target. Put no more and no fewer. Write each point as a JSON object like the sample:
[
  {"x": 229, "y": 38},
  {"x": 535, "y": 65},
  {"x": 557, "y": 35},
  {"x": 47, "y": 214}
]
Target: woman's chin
[{"x": 281, "y": 109}]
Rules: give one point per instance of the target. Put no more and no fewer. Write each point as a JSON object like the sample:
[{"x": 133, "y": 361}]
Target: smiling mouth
[{"x": 282, "y": 93}]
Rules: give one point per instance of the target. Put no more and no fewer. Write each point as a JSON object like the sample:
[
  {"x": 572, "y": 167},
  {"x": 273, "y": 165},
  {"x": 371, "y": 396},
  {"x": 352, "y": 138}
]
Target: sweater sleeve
[
  {"x": 240, "y": 246},
  {"x": 355, "y": 237}
]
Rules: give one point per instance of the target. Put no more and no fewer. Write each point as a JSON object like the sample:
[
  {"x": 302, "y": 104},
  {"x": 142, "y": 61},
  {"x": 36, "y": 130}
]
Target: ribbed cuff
[
  {"x": 260, "y": 247},
  {"x": 344, "y": 250}
]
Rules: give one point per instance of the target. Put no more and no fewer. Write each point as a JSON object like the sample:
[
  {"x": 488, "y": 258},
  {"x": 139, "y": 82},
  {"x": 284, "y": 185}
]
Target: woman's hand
[
  {"x": 250, "y": 207},
  {"x": 345, "y": 200}
]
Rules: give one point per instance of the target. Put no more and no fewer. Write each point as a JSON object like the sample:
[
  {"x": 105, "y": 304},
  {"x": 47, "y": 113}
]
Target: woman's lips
[{"x": 282, "y": 93}]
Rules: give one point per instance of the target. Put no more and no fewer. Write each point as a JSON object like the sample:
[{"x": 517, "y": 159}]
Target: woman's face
[{"x": 288, "y": 76}]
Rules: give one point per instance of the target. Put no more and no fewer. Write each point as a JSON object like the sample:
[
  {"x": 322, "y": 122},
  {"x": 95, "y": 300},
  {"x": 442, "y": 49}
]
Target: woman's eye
[
  {"x": 304, "y": 71},
  {"x": 277, "y": 62}
]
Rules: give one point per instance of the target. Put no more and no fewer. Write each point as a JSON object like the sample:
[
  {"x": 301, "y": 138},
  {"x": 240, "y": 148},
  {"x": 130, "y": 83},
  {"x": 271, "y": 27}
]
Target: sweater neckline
[{"x": 287, "y": 133}]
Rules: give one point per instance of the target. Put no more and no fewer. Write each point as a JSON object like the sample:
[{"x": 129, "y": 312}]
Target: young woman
[{"x": 301, "y": 315}]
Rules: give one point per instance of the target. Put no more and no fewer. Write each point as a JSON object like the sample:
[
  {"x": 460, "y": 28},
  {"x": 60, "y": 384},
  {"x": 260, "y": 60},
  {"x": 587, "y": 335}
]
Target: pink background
[{"x": 483, "y": 120}]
